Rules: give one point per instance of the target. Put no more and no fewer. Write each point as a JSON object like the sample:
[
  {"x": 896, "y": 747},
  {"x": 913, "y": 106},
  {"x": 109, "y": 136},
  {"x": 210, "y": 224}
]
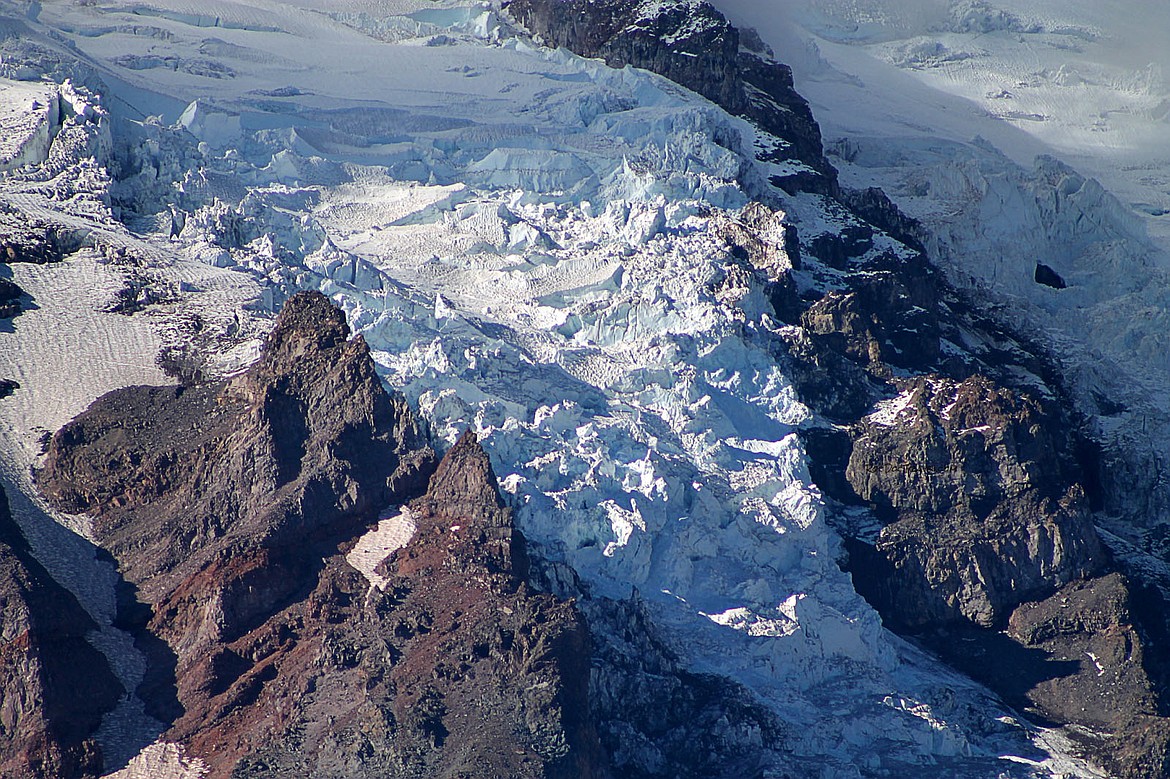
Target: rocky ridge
[
  {"x": 229, "y": 508},
  {"x": 694, "y": 45},
  {"x": 981, "y": 503},
  {"x": 964, "y": 482}
]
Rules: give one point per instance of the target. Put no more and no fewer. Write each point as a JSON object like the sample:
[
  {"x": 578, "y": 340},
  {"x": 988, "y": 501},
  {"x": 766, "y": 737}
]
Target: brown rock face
[
  {"x": 54, "y": 686},
  {"x": 1084, "y": 655},
  {"x": 985, "y": 517},
  {"x": 987, "y": 528},
  {"x": 452, "y": 669},
  {"x": 1089, "y": 626},
  {"x": 303, "y": 444},
  {"x": 879, "y": 323},
  {"x": 230, "y": 507},
  {"x": 511, "y": 664}
]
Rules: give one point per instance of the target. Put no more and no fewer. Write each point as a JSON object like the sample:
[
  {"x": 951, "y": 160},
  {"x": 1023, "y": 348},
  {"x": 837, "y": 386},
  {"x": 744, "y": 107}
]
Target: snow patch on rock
[{"x": 394, "y": 530}]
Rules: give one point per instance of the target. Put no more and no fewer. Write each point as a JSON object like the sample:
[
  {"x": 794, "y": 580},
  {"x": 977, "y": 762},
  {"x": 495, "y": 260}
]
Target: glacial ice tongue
[{"x": 534, "y": 246}]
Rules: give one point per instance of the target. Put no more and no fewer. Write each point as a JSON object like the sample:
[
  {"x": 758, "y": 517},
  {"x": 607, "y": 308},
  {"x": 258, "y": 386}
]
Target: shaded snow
[
  {"x": 1019, "y": 133},
  {"x": 28, "y": 116}
]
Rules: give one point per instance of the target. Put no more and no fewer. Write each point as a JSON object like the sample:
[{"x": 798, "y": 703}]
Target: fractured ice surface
[{"x": 534, "y": 246}]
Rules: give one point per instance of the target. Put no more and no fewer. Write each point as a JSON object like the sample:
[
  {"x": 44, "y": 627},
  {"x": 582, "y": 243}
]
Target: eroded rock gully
[
  {"x": 54, "y": 686},
  {"x": 229, "y": 508}
]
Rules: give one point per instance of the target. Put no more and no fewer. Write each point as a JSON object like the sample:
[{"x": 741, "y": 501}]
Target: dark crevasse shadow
[{"x": 158, "y": 690}]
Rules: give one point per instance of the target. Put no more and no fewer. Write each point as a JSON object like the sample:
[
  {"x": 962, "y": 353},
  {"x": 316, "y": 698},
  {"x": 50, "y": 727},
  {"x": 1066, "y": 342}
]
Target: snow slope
[{"x": 535, "y": 246}]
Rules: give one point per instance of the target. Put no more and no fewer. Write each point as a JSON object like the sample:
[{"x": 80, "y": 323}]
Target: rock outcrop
[
  {"x": 180, "y": 479},
  {"x": 1089, "y": 626},
  {"x": 230, "y": 508},
  {"x": 10, "y": 295},
  {"x": 692, "y": 44},
  {"x": 981, "y": 542},
  {"x": 449, "y": 666},
  {"x": 879, "y": 322},
  {"x": 984, "y": 514},
  {"x": 24, "y": 239},
  {"x": 54, "y": 686},
  {"x": 1092, "y": 654},
  {"x": 659, "y": 719}
]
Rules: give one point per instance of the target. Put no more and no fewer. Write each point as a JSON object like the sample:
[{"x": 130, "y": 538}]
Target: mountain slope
[
  {"x": 56, "y": 687},
  {"x": 667, "y": 325}
]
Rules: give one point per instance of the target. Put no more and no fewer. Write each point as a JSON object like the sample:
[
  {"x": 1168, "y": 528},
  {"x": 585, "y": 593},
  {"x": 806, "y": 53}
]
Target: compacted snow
[
  {"x": 394, "y": 530},
  {"x": 535, "y": 246}
]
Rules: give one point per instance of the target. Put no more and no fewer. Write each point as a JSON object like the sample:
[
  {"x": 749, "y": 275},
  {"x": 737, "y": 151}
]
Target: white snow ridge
[{"x": 535, "y": 246}]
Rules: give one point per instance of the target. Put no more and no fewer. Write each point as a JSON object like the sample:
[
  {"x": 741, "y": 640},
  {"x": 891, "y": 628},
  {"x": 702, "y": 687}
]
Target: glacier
[{"x": 539, "y": 248}]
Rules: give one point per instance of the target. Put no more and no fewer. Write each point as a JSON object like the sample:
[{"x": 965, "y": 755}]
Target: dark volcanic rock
[
  {"x": 22, "y": 240},
  {"x": 230, "y": 505},
  {"x": 827, "y": 380},
  {"x": 660, "y": 720},
  {"x": 703, "y": 58},
  {"x": 1089, "y": 654},
  {"x": 879, "y": 322},
  {"x": 7, "y": 387},
  {"x": 218, "y": 500},
  {"x": 876, "y": 208},
  {"x": 1090, "y": 626},
  {"x": 852, "y": 341},
  {"x": 9, "y": 298},
  {"x": 514, "y": 665},
  {"x": 985, "y": 516},
  {"x": 453, "y": 669},
  {"x": 304, "y": 444},
  {"x": 54, "y": 686},
  {"x": 694, "y": 45}
]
